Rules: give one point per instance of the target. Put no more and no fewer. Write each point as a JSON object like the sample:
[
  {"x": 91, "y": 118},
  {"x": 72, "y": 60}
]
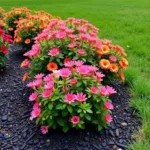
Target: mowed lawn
[{"x": 125, "y": 22}]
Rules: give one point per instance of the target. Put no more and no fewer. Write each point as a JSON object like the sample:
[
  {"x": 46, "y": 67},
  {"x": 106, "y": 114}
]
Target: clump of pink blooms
[{"x": 64, "y": 87}]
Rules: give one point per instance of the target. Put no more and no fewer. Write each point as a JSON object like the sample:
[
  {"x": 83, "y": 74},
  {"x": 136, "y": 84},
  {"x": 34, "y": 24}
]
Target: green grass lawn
[{"x": 125, "y": 22}]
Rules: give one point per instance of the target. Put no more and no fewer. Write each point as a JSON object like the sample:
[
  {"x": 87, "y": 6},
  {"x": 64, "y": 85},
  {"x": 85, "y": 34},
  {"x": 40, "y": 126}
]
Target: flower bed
[
  {"x": 30, "y": 27},
  {"x": 68, "y": 62},
  {"x": 12, "y": 17},
  {"x": 4, "y": 44}
]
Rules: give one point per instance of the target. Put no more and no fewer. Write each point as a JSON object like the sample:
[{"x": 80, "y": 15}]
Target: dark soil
[{"x": 18, "y": 132}]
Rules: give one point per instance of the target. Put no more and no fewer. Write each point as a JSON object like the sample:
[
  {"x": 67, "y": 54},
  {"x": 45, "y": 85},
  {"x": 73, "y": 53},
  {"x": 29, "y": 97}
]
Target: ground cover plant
[
  {"x": 5, "y": 41},
  {"x": 29, "y": 27},
  {"x": 117, "y": 22}
]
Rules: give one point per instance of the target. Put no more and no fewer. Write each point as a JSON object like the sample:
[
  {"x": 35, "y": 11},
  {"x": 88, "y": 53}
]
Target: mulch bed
[{"x": 18, "y": 132}]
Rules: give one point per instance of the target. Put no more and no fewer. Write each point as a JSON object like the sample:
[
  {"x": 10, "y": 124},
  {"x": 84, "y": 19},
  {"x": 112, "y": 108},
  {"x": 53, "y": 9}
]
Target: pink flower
[
  {"x": 69, "y": 64},
  {"x": 94, "y": 90},
  {"x": 49, "y": 85},
  {"x": 73, "y": 81},
  {"x": 61, "y": 35},
  {"x": 44, "y": 129},
  {"x": 31, "y": 85},
  {"x": 4, "y": 49},
  {"x": 72, "y": 37},
  {"x": 81, "y": 52},
  {"x": 93, "y": 69},
  {"x": 37, "y": 83},
  {"x": 65, "y": 89},
  {"x": 113, "y": 58},
  {"x": 75, "y": 120},
  {"x": 81, "y": 97},
  {"x": 46, "y": 94},
  {"x": 81, "y": 29},
  {"x": 108, "y": 106},
  {"x": 69, "y": 98},
  {"x": 71, "y": 46},
  {"x": 49, "y": 77},
  {"x": 79, "y": 63},
  {"x": 103, "y": 91},
  {"x": 108, "y": 118},
  {"x": 83, "y": 70},
  {"x": 69, "y": 31},
  {"x": 64, "y": 73},
  {"x": 36, "y": 105},
  {"x": 35, "y": 113},
  {"x": 54, "y": 51},
  {"x": 33, "y": 96},
  {"x": 110, "y": 90},
  {"x": 39, "y": 76},
  {"x": 99, "y": 75}
]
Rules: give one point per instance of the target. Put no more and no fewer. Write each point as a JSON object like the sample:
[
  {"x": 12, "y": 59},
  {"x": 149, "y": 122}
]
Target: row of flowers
[{"x": 70, "y": 69}]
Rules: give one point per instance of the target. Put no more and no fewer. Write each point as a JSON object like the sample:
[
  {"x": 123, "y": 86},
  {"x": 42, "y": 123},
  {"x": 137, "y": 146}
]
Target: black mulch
[{"x": 18, "y": 132}]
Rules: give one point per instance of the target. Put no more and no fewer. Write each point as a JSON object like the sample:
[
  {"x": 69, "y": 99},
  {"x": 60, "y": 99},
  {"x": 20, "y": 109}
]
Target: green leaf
[
  {"x": 59, "y": 106},
  {"x": 89, "y": 111},
  {"x": 50, "y": 106},
  {"x": 64, "y": 113},
  {"x": 69, "y": 109},
  {"x": 65, "y": 128},
  {"x": 60, "y": 121},
  {"x": 88, "y": 117}
]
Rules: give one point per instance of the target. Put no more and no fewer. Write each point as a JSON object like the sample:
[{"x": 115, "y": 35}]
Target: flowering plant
[
  {"x": 75, "y": 39},
  {"x": 30, "y": 27},
  {"x": 1, "y": 12},
  {"x": 71, "y": 97},
  {"x": 12, "y": 17},
  {"x": 4, "y": 44}
]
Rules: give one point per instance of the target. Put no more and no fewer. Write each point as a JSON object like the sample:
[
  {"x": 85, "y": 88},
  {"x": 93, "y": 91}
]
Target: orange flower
[
  {"x": 17, "y": 40},
  {"x": 104, "y": 64},
  {"x": 123, "y": 63},
  {"x": 114, "y": 68},
  {"x": 121, "y": 75},
  {"x": 52, "y": 66},
  {"x": 10, "y": 29},
  {"x": 99, "y": 51},
  {"x": 25, "y": 77},
  {"x": 103, "y": 51},
  {"x": 41, "y": 26},
  {"x": 27, "y": 41},
  {"x": 30, "y": 24},
  {"x": 33, "y": 29}
]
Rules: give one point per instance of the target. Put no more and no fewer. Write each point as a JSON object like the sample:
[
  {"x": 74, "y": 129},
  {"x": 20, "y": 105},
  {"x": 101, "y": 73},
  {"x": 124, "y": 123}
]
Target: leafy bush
[
  {"x": 1, "y": 12},
  {"x": 30, "y": 27},
  {"x": 4, "y": 44},
  {"x": 12, "y": 17},
  {"x": 75, "y": 39},
  {"x": 71, "y": 98}
]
